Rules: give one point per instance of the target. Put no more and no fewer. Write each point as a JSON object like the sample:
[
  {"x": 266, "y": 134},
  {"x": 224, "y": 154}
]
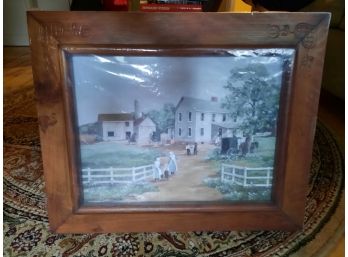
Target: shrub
[{"x": 214, "y": 154}]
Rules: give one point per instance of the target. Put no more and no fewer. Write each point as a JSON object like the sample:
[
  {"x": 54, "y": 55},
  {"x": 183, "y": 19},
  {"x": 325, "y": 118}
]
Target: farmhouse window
[
  {"x": 189, "y": 132},
  {"x": 190, "y": 116},
  {"x": 202, "y": 131},
  {"x": 213, "y": 117},
  {"x": 179, "y": 132},
  {"x": 224, "y": 117},
  {"x": 111, "y": 133},
  {"x": 202, "y": 116},
  {"x": 180, "y": 116}
]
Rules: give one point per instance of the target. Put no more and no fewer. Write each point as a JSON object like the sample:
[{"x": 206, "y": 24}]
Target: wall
[
  {"x": 185, "y": 124},
  {"x": 15, "y": 20},
  {"x": 205, "y": 124},
  {"x": 118, "y": 127}
]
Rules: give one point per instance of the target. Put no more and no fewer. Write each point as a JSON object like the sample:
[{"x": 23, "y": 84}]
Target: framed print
[
  {"x": 176, "y": 122},
  {"x": 197, "y": 135}
]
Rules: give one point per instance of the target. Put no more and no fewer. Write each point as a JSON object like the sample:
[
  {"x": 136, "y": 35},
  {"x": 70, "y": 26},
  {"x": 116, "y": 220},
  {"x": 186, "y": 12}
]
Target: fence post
[
  {"x": 133, "y": 174},
  {"x": 222, "y": 172},
  {"x": 89, "y": 175},
  {"x": 233, "y": 174},
  {"x": 143, "y": 173},
  {"x": 111, "y": 175},
  {"x": 268, "y": 176},
  {"x": 245, "y": 177}
]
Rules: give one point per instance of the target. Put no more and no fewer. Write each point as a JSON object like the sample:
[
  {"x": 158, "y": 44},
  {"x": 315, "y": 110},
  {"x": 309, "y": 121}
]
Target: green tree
[
  {"x": 253, "y": 96},
  {"x": 164, "y": 118}
]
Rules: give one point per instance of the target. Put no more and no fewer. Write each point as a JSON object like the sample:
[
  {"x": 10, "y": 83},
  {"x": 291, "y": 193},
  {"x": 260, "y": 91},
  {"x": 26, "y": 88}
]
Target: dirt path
[{"x": 187, "y": 183}]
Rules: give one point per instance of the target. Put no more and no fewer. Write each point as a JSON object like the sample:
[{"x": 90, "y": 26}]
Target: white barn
[
  {"x": 144, "y": 128},
  {"x": 122, "y": 126},
  {"x": 198, "y": 120},
  {"x": 116, "y": 126}
]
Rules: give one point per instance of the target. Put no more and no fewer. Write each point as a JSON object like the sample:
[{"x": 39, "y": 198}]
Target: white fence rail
[
  {"x": 117, "y": 175},
  {"x": 243, "y": 176}
]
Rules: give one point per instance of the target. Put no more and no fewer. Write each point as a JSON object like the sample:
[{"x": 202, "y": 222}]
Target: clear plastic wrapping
[{"x": 176, "y": 127}]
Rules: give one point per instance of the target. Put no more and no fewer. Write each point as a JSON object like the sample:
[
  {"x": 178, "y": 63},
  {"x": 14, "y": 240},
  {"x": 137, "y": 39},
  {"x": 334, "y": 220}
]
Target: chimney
[
  {"x": 137, "y": 113},
  {"x": 214, "y": 99}
]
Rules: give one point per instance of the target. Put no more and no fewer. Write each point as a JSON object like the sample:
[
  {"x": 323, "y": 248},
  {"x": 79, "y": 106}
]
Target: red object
[
  {"x": 120, "y": 2},
  {"x": 115, "y": 5},
  {"x": 171, "y": 7}
]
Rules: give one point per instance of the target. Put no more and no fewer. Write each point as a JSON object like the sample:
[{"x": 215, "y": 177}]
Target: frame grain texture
[{"x": 55, "y": 35}]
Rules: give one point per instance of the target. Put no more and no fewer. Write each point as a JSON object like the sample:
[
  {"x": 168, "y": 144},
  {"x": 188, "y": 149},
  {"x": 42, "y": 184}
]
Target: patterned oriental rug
[{"x": 26, "y": 230}]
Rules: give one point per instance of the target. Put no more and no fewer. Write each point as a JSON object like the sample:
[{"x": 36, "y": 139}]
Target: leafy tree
[
  {"x": 253, "y": 96},
  {"x": 164, "y": 118}
]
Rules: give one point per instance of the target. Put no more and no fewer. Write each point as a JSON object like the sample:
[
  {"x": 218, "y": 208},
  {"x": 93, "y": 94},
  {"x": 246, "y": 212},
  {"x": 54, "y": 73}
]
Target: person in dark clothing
[
  {"x": 195, "y": 149},
  {"x": 188, "y": 152},
  {"x": 234, "y": 143}
]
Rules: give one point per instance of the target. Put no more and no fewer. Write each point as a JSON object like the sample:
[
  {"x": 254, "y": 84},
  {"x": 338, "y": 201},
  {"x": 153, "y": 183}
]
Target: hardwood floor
[
  {"x": 18, "y": 74},
  {"x": 17, "y": 68}
]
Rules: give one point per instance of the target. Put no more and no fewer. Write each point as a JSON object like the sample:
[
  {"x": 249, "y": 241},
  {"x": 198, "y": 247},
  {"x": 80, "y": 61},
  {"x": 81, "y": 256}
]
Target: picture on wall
[{"x": 197, "y": 128}]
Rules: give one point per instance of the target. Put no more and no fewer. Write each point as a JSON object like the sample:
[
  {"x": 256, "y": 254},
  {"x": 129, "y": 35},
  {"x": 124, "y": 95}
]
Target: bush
[
  {"x": 268, "y": 160},
  {"x": 214, "y": 154}
]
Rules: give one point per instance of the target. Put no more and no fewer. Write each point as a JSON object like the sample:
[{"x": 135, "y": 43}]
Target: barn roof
[
  {"x": 138, "y": 121},
  {"x": 115, "y": 117},
  {"x": 200, "y": 105}
]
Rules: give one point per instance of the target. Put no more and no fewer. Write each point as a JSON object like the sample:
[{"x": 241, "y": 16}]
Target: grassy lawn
[
  {"x": 262, "y": 157},
  {"x": 232, "y": 192},
  {"x": 108, "y": 154},
  {"x": 117, "y": 192}
]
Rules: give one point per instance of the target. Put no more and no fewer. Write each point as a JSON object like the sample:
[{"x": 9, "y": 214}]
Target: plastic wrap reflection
[{"x": 178, "y": 128}]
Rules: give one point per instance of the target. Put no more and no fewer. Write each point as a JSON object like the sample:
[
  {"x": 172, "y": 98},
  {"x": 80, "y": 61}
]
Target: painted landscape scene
[{"x": 178, "y": 129}]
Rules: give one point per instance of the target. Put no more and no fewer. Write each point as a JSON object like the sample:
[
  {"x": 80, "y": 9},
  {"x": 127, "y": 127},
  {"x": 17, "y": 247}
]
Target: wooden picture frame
[{"x": 57, "y": 36}]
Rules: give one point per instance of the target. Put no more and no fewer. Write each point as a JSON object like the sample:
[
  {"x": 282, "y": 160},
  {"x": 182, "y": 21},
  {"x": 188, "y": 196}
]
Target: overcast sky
[{"x": 110, "y": 84}]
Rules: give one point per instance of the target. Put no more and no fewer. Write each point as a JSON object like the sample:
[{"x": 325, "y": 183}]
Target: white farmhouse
[
  {"x": 198, "y": 120},
  {"x": 126, "y": 126},
  {"x": 116, "y": 126},
  {"x": 144, "y": 128}
]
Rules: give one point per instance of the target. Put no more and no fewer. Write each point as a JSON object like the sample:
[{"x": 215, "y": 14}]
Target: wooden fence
[
  {"x": 243, "y": 176},
  {"x": 117, "y": 175}
]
